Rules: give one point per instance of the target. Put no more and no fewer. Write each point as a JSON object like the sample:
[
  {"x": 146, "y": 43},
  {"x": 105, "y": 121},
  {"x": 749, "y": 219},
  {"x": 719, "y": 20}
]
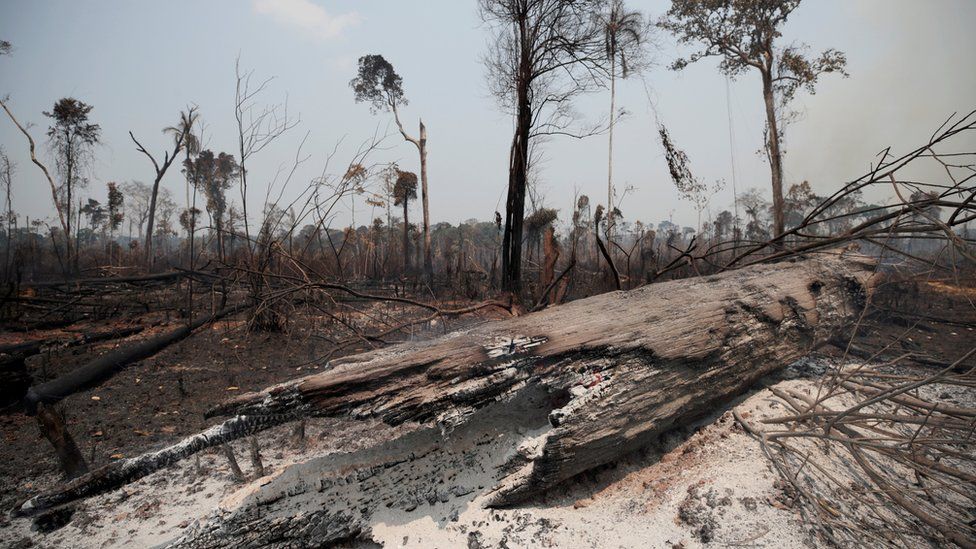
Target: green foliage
[
  {"x": 624, "y": 34},
  {"x": 378, "y": 83},
  {"x": 743, "y": 33},
  {"x": 212, "y": 175},
  {"x": 405, "y": 188},
  {"x": 115, "y": 203},
  {"x": 72, "y": 137}
]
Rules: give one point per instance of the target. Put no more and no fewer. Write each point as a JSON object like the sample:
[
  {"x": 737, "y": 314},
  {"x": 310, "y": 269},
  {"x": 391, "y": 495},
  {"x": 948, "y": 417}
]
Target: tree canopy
[{"x": 378, "y": 83}]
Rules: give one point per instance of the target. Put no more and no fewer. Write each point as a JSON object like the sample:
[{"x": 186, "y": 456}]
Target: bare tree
[
  {"x": 180, "y": 133},
  {"x": 58, "y": 206},
  {"x": 137, "y": 206},
  {"x": 544, "y": 53},
  {"x": 380, "y": 85},
  {"x": 257, "y": 127},
  {"x": 743, "y": 34},
  {"x": 6, "y": 183}
]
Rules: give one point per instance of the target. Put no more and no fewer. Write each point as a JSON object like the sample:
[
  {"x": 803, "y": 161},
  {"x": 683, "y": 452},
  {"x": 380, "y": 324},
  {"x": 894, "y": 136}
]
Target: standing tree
[
  {"x": 72, "y": 138},
  {"x": 625, "y": 35},
  {"x": 116, "y": 201},
  {"x": 742, "y": 33},
  {"x": 378, "y": 84},
  {"x": 404, "y": 190},
  {"x": 6, "y": 184},
  {"x": 213, "y": 175},
  {"x": 544, "y": 53},
  {"x": 181, "y": 132},
  {"x": 257, "y": 127}
]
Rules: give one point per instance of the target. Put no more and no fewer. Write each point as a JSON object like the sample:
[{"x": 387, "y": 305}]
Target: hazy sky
[{"x": 139, "y": 63}]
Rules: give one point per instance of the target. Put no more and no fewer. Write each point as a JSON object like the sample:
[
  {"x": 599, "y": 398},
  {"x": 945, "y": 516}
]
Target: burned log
[
  {"x": 594, "y": 379},
  {"x": 105, "y": 366},
  {"x": 14, "y": 377}
]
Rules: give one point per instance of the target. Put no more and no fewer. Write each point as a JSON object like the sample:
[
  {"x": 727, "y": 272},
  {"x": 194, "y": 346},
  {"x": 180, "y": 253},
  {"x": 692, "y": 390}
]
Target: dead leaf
[
  {"x": 117, "y": 456},
  {"x": 233, "y": 388}
]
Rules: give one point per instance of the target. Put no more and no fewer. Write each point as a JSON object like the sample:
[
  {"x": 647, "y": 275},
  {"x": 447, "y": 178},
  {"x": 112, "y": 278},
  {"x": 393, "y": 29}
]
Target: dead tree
[
  {"x": 544, "y": 53},
  {"x": 181, "y": 134},
  {"x": 611, "y": 372},
  {"x": 58, "y": 207}
]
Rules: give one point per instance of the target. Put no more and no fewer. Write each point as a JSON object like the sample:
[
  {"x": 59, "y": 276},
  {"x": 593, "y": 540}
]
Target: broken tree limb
[
  {"x": 616, "y": 370},
  {"x": 127, "y": 470}
]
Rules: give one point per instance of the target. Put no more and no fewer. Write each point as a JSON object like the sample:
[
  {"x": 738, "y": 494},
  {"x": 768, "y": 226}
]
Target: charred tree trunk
[
  {"x": 517, "y": 181},
  {"x": 52, "y": 427},
  {"x": 105, "y": 366}
]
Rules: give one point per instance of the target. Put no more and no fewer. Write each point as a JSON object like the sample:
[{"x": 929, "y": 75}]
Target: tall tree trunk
[
  {"x": 52, "y": 427},
  {"x": 151, "y": 221},
  {"x": 428, "y": 263},
  {"x": 774, "y": 154},
  {"x": 517, "y": 179},
  {"x": 406, "y": 240},
  {"x": 69, "y": 164},
  {"x": 613, "y": 101}
]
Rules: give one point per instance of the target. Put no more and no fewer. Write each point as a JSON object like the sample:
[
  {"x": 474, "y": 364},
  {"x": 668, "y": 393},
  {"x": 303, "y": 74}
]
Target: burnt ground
[{"x": 163, "y": 398}]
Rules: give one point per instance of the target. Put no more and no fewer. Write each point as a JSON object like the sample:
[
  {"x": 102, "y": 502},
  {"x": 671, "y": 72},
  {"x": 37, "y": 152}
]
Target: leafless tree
[
  {"x": 6, "y": 183},
  {"x": 257, "y": 127},
  {"x": 544, "y": 53},
  {"x": 180, "y": 132},
  {"x": 139, "y": 198}
]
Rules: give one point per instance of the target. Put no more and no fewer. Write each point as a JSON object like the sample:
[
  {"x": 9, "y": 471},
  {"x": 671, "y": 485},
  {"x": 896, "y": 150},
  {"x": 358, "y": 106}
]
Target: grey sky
[{"x": 140, "y": 62}]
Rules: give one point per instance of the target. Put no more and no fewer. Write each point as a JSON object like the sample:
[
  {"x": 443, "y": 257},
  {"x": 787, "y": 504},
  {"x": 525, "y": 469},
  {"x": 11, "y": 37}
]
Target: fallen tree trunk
[
  {"x": 603, "y": 376},
  {"x": 105, "y": 366},
  {"x": 14, "y": 378}
]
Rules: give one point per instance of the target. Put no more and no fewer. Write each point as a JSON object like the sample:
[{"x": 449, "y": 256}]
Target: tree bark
[
  {"x": 406, "y": 239},
  {"x": 775, "y": 155},
  {"x": 613, "y": 102},
  {"x": 574, "y": 386},
  {"x": 517, "y": 180},
  {"x": 428, "y": 262},
  {"x": 52, "y": 426}
]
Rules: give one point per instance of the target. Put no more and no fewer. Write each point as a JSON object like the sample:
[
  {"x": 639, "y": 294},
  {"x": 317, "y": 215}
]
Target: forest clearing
[{"x": 252, "y": 329}]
